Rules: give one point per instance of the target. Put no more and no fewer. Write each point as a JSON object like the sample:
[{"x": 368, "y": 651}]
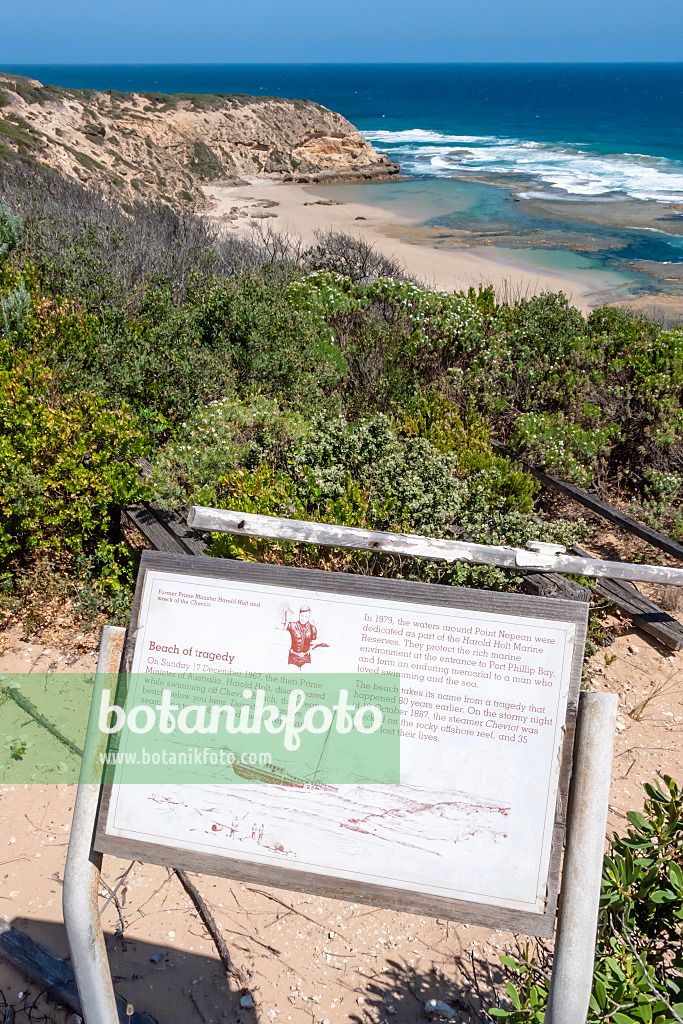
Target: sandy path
[{"x": 303, "y": 209}]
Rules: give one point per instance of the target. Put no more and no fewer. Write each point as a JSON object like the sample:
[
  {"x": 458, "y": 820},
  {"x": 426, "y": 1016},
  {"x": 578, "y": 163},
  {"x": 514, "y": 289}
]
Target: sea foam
[{"x": 570, "y": 169}]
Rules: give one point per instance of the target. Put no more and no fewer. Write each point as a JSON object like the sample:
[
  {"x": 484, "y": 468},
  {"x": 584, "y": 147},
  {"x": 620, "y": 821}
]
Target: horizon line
[{"x": 331, "y": 63}]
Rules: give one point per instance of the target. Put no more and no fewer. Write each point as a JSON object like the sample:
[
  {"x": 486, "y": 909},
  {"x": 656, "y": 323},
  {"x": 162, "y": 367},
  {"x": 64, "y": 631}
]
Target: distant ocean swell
[{"x": 567, "y": 169}]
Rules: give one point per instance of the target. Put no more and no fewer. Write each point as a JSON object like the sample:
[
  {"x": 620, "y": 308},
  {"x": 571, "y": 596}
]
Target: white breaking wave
[
  {"x": 572, "y": 170},
  {"x": 423, "y": 135}
]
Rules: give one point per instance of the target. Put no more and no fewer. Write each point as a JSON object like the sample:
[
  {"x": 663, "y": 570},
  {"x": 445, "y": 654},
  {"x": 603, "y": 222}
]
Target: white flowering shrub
[
  {"x": 562, "y": 446},
  {"x": 14, "y": 309},
  {"x": 375, "y": 472},
  {"x": 11, "y": 229}
]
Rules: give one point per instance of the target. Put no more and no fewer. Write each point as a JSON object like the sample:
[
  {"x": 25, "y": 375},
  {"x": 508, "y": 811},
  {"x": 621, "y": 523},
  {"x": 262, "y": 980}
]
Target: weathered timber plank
[
  {"x": 539, "y": 557},
  {"x": 154, "y": 531},
  {"x": 166, "y": 530},
  {"x": 26, "y": 705},
  {"x": 601, "y": 508},
  {"x": 191, "y": 542},
  {"x": 54, "y": 975},
  {"x": 146, "y": 467},
  {"x": 646, "y": 615},
  {"x": 549, "y": 584}
]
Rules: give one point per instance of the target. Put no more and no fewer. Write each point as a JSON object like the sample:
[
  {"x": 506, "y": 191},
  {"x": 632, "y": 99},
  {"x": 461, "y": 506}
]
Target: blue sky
[{"x": 233, "y": 31}]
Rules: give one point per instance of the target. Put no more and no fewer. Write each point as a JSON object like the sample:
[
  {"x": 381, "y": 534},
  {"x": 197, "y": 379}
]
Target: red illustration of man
[{"x": 302, "y": 632}]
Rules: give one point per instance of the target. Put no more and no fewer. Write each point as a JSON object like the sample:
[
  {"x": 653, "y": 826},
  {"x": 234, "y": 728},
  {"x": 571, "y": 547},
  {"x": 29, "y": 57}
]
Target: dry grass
[
  {"x": 661, "y": 688},
  {"x": 670, "y": 598}
]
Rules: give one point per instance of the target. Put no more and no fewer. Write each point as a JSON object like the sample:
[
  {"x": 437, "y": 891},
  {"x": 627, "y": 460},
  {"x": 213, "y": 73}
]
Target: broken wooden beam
[
  {"x": 165, "y": 530},
  {"x": 191, "y": 542},
  {"x": 645, "y": 614},
  {"x": 539, "y": 556},
  {"x": 26, "y": 705},
  {"x": 54, "y": 975},
  {"x": 589, "y": 501},
  {"x": 541, "y": 584},
  {"x": 152, "y": 530},
  {"x": 550, "y": 584}
]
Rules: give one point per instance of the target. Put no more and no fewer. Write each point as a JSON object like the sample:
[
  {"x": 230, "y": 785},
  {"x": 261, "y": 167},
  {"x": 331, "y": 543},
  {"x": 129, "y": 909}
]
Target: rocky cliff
[{"x": 151, "y": 145}]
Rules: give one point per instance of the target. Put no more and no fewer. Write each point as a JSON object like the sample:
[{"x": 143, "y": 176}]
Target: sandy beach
[{"x": 303, "y": 210}]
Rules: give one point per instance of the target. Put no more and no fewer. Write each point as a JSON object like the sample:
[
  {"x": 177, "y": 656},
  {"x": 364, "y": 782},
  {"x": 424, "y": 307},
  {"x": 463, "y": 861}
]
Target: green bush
[
  {"x": 166, "y": 359},
  {"x": 11, "y": 228},
  {"x": 560, "y": 445},
  {"x": 373, "y": 473},
  {"x": 65, "y": 463},
  {"x": 314, "y": 382},
  {"x": 14, "y": 307},
  {"x": 638, "y": 973},
  {"x": 225, "y": 436},
  {"x": 436, "y": 418}
]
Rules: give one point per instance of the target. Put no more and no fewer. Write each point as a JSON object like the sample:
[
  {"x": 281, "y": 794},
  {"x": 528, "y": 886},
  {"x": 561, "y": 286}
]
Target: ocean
[{"x": 581, "y": 163}]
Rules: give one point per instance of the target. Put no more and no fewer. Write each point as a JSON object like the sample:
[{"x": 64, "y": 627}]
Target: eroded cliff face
[{"x": 150, "y": 145}]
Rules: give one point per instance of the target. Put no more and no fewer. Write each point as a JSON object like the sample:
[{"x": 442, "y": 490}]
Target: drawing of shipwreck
[{"x": 287, "y": 819}]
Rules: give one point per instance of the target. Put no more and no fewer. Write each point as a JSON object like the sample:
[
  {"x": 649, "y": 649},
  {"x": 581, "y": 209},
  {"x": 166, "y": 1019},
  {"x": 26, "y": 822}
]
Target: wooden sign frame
[{"x": 287, "y": 876}]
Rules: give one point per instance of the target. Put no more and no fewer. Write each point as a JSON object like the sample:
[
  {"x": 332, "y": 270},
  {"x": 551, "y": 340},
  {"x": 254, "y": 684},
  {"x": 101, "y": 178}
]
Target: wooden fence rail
[{"x": 169, "y": 531}]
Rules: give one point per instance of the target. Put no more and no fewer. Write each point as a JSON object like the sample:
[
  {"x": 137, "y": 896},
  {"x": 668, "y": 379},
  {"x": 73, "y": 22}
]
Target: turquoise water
[{"x": 588, "y": 244}]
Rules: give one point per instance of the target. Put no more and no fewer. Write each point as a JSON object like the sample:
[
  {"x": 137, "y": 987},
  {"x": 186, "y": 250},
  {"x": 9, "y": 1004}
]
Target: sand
[{"x": 301, "y": 210}]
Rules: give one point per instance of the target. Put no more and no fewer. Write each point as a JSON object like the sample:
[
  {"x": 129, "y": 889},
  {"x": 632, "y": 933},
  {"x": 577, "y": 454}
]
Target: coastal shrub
[
  {"x": 11, "y": 228},
  {"x": 226, "y": 436},
  {"x": 526, "y": 355},
  {"x": 547, "y": 325},
  {"x": 618, "y": 330},
  {"x": 271, "y": 345},
  {"x": 89, "y": 248},
  {"x": 165, "y": 359},
  {"x": 14, "y": 307},
  {"x": 544, "y": 360},
  {"x": 660, "y": 503},
  {"x": 394, "y": 335},
  {"x": 467, "y": 436},
  {"x": 65, "y": 463},
  {"x": 483, "y": 296},
  {"x": 660, "y": 486},
  {"x": 324, "y": 294},
  {"x": 351, "y": 257},
  {"x": 638, "y": 973},
  {"x": 546, "y": 378},
  {"x": 435, "y": 321},
  {"x": 255, "y": 456},
  {"x": 320, "y": 382},
  {"x": 658, "y": 366},
  {"x": 560, "y": 445},
  {"x": 651, "y": 358}
]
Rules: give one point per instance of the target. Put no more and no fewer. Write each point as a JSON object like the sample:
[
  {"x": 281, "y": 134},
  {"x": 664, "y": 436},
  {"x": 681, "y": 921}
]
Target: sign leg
[
  {"x": 82, "y": 871},
  {"x": 572, "y": 975}
]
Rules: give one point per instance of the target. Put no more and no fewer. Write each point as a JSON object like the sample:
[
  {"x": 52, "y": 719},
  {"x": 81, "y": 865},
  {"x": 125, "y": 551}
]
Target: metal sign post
[
  {"x": 82, "y": 870},
  {"x": 572, "y": 974}
]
